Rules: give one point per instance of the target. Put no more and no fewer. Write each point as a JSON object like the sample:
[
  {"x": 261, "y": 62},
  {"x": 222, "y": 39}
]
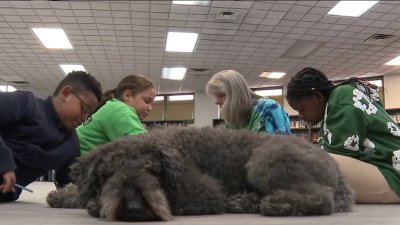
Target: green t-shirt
[
  {"x": 113, "y": 120},
  {"x": 357, "y": 126}
]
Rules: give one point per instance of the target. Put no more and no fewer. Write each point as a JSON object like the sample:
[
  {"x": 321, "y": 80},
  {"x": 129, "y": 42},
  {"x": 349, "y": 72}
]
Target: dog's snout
[
  {"x": 134, "y": 213},
  {"x": 134, "y": 205}
]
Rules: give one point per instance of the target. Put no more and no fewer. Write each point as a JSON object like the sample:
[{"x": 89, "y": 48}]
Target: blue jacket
[{"x": 32, "y": 137}]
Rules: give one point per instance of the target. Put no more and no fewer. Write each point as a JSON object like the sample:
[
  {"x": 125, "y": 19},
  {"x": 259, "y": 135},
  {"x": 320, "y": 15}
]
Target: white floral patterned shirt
[{"x": 358, "y": 126}]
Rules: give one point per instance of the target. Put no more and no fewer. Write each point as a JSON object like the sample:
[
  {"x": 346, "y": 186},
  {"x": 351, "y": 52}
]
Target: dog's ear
[
  {"x": 172, "y": 164},
  {"x": 87, "y": 173},
  {"x": 158, "y": 203}
]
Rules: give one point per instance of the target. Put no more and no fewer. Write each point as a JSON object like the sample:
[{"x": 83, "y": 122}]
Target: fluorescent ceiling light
[
  {"x": 272, "y": 75},
  {"x": 270, "y": 92},
  {"x": 7, "y": 88},
  {"x": 180, "y": 97},
  {"x": 394, "y": 62},
  {"x": 54, "y": 38},
  {"x": 69, "y": 68},
  {"x": 351, "y": 8},
  {"x": 159, "y": 98},
  {"x": 177, "y": 73},
  {"x": 378, "y": 83},
  {"x": 181, "y": 42},
  {"x": 191, "y": 2}
]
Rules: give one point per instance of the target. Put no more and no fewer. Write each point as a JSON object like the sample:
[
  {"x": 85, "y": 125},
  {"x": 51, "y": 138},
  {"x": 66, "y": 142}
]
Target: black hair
[
  {"x": 309, "y": 80},
  {"x": 306, "y": 82},
  {"x": 80, "y": 81},
  {"x": 134, "y": 83}
]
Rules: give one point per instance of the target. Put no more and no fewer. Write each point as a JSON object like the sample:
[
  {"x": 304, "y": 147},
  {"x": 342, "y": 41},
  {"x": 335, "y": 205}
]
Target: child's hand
[{"x": 8, "y": 182}]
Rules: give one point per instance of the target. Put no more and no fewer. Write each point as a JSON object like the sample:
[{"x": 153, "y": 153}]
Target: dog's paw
[
  {"x": 93, "y": 208},
  {"x": 242, "y": 203},
  {"x": 273, "y": 206},
  {"x": 54, "y": 199}
]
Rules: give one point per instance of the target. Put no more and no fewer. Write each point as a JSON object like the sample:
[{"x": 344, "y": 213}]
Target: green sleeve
[
  {"x": 128, "y": 124},
  {"x": 344, "y": 130}
]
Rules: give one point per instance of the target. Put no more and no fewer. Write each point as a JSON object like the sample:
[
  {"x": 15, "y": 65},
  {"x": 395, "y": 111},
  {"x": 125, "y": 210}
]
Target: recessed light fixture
[
  {"x": 378, "y": 83},
  {"x": 269, "y": 92},
  {"x": 351, "y": 8},
  {"x": 181, "y": 42},
  {"x": 7, "y": 88},
  {"x": 191, "y": 2},
  {"x": 66, "y": 68},
  {"x": 394, "y": 62},
  {"x": 53, "y": 38},
  {"x": 272, "y": 75},
  {"x": 176, "y": 73},
  {"x": 180, "y": 97},
  {"x": 159, "y": 98}
]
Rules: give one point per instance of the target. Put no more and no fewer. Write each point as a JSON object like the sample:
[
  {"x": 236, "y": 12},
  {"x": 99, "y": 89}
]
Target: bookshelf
[
  {"x": 218, "y": 123},
  {"x": 298, "y": 127},
  {"x": 395, "y": 114},
  {"x": 165, "y": 123},
  {"x": 50, "y": 176},
  {"x": 302, "y": 129}
]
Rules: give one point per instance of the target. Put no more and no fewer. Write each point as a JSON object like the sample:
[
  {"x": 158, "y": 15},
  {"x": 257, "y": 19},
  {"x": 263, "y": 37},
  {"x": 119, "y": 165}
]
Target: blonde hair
[{"x": 237, "y": 105}]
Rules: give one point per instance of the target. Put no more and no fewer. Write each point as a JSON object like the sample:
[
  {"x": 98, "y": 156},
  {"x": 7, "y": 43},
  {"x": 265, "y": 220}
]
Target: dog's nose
[{"x": 134, "y": 213}]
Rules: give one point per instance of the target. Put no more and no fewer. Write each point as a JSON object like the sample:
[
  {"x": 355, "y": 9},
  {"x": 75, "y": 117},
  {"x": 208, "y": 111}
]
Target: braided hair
[
  {"x": 309, "y": 80},
  {"x": 306, "y": 82}
]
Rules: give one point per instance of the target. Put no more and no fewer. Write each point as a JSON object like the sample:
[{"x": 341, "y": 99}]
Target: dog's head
[{"x": 131, "y": 187}]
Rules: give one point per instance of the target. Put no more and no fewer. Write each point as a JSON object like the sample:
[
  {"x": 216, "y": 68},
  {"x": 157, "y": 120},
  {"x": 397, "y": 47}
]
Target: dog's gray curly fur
[{"x": 187, "y": 171}]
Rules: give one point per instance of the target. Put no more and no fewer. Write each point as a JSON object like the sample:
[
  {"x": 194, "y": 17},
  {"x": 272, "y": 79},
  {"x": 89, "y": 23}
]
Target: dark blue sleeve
[
  {"x": 14, "y": 106},
  {"x": 6, "y": 159},
  {"x": 55, "y": 158}
]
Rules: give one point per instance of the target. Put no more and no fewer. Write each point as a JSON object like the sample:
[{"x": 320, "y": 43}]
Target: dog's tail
[
  {"x": 344, "y": 196},
  {"x": 66, "y": 197}
]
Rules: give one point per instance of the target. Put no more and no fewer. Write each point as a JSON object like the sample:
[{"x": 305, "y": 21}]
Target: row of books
[
  {"x": 311, "y": 136},
  {"x": 163, "y": 124},
  {"x": 301, "y": 124},
  {"x": 51, "y": 176},
  {"x": 396, "y": 117}
]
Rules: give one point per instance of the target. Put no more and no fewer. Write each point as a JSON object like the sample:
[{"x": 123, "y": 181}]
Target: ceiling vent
[
  {"x": 227, "y": 16},
  {"x": 16, "y": 81},
  {"x": 20, "y": 83},
  {"x": 199, "y": 71},
  {"x": 381, "y": 39}
]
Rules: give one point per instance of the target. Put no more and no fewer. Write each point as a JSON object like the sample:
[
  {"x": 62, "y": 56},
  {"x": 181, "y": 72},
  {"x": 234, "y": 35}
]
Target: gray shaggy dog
[{"x": 196, "y": 171}]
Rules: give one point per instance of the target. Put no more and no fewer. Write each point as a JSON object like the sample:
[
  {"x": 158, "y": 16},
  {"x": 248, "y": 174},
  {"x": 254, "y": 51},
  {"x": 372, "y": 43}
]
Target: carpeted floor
[{"x": 31, "y": 209}]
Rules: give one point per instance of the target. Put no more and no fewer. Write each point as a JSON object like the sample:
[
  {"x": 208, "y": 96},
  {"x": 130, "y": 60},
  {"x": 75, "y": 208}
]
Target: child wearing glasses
[
  {"x": 121, "y": 113},
  {"x": 38, "y": 135}
]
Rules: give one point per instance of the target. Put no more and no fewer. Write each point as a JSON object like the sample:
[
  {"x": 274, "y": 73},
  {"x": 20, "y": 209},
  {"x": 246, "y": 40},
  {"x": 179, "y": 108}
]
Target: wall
[
  {"x": 286, "y": 105},
  {"x": 204, "y": 110},
  {"x": 289, "y": 109},
  {"x": 157, "y": 112},
  {"x": 392, "y": 91},
  {"x": 179, "y": 110}
]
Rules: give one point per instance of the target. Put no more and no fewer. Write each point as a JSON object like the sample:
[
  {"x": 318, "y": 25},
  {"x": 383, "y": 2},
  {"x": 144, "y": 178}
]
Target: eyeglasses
[{"x": 85, "y": 109}]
